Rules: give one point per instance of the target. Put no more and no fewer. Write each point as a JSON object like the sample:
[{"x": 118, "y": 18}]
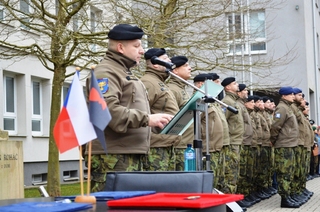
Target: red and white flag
[{"x": 73, "y": 127}]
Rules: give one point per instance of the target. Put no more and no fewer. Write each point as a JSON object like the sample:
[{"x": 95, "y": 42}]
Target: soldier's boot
[
  {"x": 294, "y": 201},
  {"x": 255, "y": 198},
  {"x": 286, "y": 203},
  {"x": 306, "y": 191}
]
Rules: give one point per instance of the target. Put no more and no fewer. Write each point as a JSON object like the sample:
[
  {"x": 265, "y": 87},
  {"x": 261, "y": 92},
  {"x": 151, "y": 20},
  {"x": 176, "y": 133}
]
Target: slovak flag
[{"x": 73, "y": 127}]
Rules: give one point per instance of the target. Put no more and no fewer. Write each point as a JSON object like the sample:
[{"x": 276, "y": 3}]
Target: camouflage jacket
[
  {"x": 235, "y": 121},
  {"x": 127, "y": 100},
  {"x": 284, "y": 129}
]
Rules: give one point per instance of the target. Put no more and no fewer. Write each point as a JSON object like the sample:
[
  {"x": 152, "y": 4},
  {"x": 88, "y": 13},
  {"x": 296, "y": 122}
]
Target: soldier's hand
[{"x": 159, "y": 120}]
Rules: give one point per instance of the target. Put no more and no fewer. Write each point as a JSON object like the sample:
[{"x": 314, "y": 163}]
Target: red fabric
[
  {"x": 177, "y": 200},
  {"x": 63, "y": 132}
]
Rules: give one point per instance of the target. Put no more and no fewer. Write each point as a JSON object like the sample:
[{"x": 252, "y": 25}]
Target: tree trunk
[{"x": 53, "y": 177}]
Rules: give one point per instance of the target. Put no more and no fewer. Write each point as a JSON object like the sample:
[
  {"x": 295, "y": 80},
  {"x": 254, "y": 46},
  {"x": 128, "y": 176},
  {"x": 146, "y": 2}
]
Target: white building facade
[{"x": 26, "y": 85}]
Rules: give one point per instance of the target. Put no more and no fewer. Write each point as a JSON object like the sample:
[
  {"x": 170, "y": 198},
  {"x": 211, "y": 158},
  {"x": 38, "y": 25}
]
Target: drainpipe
[{"x": 316, "y": 70}]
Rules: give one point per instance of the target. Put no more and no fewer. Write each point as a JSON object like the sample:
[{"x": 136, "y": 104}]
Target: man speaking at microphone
[{"x": 161, "y": 100}]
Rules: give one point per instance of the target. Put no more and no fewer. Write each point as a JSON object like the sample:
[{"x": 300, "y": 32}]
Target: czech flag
[
  {"x": 73, "y": 127},
  {"x": 99, "y": 113}
]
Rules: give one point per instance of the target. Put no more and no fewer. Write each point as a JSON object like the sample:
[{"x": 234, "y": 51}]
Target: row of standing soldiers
[{"x": 240, "y": 144}]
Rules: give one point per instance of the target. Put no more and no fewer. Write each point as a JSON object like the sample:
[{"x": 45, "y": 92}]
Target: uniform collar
[
  {"x": 120, "y": 58},
  {"x": 177, "y": 81},
  {"x": 162, "y": 75},
  {"x": 233, "y": 95}
]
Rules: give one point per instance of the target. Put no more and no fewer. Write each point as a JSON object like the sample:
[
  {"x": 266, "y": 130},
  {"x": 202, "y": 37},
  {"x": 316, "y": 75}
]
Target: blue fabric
[
  {"x": 45, "y": 206},
  {"x": 111, "y": 195}
]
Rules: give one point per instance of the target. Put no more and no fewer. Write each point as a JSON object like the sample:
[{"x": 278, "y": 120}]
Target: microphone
[{"x": 155, "y": 60}]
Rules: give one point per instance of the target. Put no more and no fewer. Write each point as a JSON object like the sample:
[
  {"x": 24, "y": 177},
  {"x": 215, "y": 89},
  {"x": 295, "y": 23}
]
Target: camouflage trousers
[
  {"x": 101, "y": 164},
  {"x": 222, "y": 184},
  {"x": 179, "y": 159},
  {"x": 303, "y": 179},
  {"x": 285, "y": 164},
  {"x": 246, "y": 170},
  {"x": 232, "y": 168},
  {"x": 159, "y": 159},
  {"x": 216, "y": 165},
  {"x": 297, "y": 181},
  {"x": 308, "y": 160},
  {"x": 255, "y": 160},
  {"x": 265, "y": 163}
]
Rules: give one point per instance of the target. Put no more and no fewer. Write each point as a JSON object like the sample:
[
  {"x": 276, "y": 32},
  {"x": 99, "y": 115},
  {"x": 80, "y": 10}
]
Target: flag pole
[
  {"x": 89, "y": 168},
  {"x": 81, "y": 170},
  {"x": 87, "y": 198}
]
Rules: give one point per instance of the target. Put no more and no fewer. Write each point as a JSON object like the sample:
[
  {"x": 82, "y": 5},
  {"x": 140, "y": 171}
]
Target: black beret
[
  {"x": 154, "y": 52},
  {"x": 201, "y": 77},
  {"x": 125, "y": 32},
  {"x": 227, "y": 81},
  {"x": 250, "y": 98},
  {"x": 256, "y": 98},
  {"x": 297, "y": 90},
  {"x": 242, "y": 87},
  {"x": 265, "y": 99},
  {"x": 179, "y": 60},
  {"x": 271, "y": 100},
  {"x": 214, "y": 76},
  {"x": 286, "y": 90}
]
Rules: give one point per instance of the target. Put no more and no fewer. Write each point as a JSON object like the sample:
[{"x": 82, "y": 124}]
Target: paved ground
[{"x": 273, "y": 203}]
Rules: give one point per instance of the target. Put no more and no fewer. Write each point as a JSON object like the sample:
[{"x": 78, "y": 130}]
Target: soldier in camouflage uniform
[
  {"x": 178, "y": 88},
  {"x": 215, "y": 131},
  {"x": 296, "y": 192},
  {"x": 246, "y": 168},
  {"x": 226, "y": 152},
  {"x": 268, "y": 114},
  {"x": 236, "y": 130},
  {"x": 253, "y": 152},
  {"x": 256, "y": 148},
  {"x": 309, "y": 141},
  {"x": 265, "y": 152},
  {"x": 161, "y": 100},
  {"x": 128, "y": 133},
  {"x": 284, "y": 134}
]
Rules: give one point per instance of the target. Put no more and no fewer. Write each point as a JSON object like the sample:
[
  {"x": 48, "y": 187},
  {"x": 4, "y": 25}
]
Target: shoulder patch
[
  {"x": 103, "y": 85},
  {"x": 277, "y": 115}
]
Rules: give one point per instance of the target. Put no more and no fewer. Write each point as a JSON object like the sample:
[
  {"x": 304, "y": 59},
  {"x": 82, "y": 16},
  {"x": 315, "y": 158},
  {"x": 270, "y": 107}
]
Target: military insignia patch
[
  {"x": 277, "y": 115},
  {"x": 103, "y": 85}
]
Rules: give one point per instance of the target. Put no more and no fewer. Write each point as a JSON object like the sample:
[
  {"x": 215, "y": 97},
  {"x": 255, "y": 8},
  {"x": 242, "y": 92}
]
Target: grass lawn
[{"x": 66, "y": 190}]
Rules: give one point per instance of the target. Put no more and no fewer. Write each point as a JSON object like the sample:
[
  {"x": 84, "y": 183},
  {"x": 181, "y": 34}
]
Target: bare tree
[
  {"x": 59, "y": 33},
  {"x": 214, "y": 34}
]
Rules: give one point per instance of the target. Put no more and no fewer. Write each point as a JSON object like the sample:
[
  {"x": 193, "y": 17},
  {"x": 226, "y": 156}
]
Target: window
[
  {"x": 39, "y": 179},
  {"x": 65, "y": 90},
  {"x": 10, "y": 110},
  {"x": 75, "y": 19},
  {"x": 247, "y": 34},
  {"x": 70, "y": 175},
  {"x": 57, "y": 6},
  {"x": 25, "y": 10},
  {"x": 2, "y": 13},
  {"x": 36, "y": 108}
]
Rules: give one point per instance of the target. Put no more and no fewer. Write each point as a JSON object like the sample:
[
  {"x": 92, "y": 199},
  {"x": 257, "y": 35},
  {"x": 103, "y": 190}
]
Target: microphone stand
[{"x": 197, "y": 142}]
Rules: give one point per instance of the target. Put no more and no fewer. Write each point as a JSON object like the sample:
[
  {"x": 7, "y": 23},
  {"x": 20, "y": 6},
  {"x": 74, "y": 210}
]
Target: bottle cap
[{"x": 189, "y": 145}]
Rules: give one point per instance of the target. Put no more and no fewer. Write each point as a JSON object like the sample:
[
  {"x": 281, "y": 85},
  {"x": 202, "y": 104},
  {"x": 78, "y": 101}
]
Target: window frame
[
  {"x": 6, "y": 114},
  {"x": 244, "y": 40},
  {"x": 3, "y": 12},
  {"x": 37, "y": 117}
]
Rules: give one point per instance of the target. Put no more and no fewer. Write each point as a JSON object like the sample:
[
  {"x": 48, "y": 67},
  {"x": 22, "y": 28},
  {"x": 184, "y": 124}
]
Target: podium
[{"x": 185, "y": 117}]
